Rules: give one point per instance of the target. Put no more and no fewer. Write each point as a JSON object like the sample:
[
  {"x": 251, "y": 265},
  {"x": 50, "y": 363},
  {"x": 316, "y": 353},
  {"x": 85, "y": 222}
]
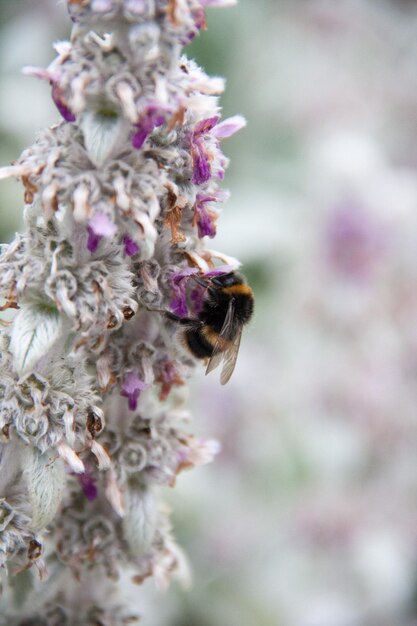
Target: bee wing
[
  {"x": 215, "y": 360},
  {"x": 230, "y": 357},
  {"x": 218, "y": 353}
]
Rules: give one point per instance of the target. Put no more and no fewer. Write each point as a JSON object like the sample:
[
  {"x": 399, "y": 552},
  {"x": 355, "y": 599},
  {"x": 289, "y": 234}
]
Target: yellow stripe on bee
[
  {"x": 212, "y": 335},
  {"x": 241, "y": 289}
]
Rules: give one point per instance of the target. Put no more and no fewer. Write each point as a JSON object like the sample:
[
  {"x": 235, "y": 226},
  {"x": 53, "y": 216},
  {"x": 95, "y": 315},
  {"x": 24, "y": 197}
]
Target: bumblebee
[{"x": 214, "y": 335}]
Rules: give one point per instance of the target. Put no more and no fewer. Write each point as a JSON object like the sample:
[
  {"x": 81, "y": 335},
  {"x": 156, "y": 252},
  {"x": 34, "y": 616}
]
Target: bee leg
[
  {"x": 184, "y": 321},
  {"x": 172, "y": 316},
  {"x": 165, "y": 312},
  {"x": 203, "y": 282}
]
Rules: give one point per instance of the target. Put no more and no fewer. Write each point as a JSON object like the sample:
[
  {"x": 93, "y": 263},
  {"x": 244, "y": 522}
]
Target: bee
[{"x": 214, "y": 335}]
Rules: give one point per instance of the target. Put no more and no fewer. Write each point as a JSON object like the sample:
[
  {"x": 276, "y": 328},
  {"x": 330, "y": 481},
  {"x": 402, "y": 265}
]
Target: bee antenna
[{"x": 201, "y": 281}]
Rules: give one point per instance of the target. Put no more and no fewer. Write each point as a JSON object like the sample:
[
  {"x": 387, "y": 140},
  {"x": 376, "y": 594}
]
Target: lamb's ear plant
[{"x": 120, "y": 197}]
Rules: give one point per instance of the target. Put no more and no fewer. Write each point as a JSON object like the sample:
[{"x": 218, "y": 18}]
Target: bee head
[{"x": 228, "y": 280}]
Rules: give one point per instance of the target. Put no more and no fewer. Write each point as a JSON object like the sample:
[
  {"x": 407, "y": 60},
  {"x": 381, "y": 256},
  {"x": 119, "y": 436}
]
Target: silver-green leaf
[
  {"x": 35, "y": 330},
  {"x": 101, "y": 134},
  {"x": 46, "y": 480}
]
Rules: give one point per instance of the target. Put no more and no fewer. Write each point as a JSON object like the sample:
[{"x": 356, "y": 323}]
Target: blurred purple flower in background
[{"x": 354, "y": 241}]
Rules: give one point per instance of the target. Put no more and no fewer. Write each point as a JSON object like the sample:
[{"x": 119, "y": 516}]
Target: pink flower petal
[
  {"x": 101, "y": 225},
  {"x": 228, "y": 127},
  {"x": 131, "y": 389},
  {"x": 206, "y": 125}
]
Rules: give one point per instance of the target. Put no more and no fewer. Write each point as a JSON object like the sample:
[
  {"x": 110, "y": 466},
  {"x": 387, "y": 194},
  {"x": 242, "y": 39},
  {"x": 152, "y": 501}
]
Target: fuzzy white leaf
[
  {"x": 12, "y": 455},
  {"x": 101, "y": 135},
  {"x": 35, "y": 330},
  {"x": 140, "y": 521},
  {"x": 46, "y": 481}
]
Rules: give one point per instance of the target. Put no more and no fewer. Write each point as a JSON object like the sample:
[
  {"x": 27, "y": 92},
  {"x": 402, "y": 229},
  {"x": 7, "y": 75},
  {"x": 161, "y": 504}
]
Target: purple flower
[
  {"x": 229, "y": 127},
  {"x": 220, "y": 270},
  {"x": 203, "y": 217},
  {"x": 131, "y": 389},
  {"x": 205, "y": 126},
  {"x": 200, "y": 20},
  {"x": 197, "y": 294},
  {"x": 88, "y": 486},
  {"x": 201, "y": 157},
  {"x": 354, "y": 241},
  {"x": 93, "y": 239},
  {"x": 200, "y": 23},
  {"x": 199, "y": 154},
  {"x": 99, "y": 226},
  {"x": 152, "y": 118},
  {"x": 130, "y": 247},
  {"x": 178, "y": 304},
  {"x": 53, "y": 78},
  {"x": 65, "y": 111},
  {"x": 206, "y": 223},
  {"x": 197, "y": 299},
  {"x": 139, "y": 137},
  {"x": 201, "y": 163}
]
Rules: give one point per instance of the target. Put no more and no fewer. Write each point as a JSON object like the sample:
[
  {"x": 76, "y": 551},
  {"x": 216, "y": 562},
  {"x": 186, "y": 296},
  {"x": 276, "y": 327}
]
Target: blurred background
[{"x": 309, "y": 515}]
